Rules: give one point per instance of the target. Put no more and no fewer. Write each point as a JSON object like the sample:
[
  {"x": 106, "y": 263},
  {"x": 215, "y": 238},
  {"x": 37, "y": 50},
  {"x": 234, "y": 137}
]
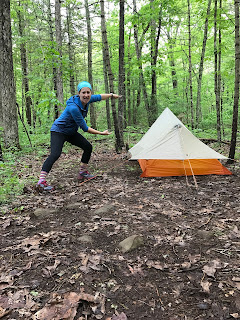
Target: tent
[{"x": 169, "y": 149}]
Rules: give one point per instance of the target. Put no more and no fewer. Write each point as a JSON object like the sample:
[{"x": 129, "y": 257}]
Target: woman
[{"x": 65, "y": 129}]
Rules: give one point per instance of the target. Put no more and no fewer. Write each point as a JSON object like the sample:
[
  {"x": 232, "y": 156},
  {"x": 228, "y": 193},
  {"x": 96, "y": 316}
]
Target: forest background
[{"x": 179, "y": 54}]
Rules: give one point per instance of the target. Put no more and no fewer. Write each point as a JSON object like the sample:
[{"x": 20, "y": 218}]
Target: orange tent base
[{"x": 166, "y": 168}]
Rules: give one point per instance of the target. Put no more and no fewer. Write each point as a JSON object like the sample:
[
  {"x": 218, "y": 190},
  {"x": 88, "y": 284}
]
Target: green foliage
[{"x": 10, "y": 182}]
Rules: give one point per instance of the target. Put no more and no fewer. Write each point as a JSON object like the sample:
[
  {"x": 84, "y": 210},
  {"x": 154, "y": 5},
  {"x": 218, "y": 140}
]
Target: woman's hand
[
  {"x": 106, "y": 133},
  {"x": 105, "y": 96},
  {"x": 115, "y": 96}
]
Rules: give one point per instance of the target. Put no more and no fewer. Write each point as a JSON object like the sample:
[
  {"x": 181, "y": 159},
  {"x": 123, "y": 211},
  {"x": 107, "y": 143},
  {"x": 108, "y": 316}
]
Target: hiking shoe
[
  {"x": 43, "y": 186},
  {"x": 85, "y": 175}
]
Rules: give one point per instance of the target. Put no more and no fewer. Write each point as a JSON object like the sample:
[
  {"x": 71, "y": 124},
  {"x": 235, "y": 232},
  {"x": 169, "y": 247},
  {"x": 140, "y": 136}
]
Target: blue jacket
[{"x": 73, "y": 116}]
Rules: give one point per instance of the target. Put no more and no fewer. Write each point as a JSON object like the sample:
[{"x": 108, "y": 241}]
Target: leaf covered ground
[{"x": 60, "y": 256}]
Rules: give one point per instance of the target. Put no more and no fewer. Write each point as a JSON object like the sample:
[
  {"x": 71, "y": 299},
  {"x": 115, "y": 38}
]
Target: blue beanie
[{"x": 84, "y": 84}]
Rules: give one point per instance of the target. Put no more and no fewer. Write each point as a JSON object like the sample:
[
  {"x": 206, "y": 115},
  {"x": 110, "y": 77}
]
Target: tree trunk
[
  {"x": 219, "y": 68},
  {"x": 198, "y": 104},
  {"x": 135, "y": 105},
  {"x": 110, "y": 76},
  {"x": 216, "y": 76},
  {"x": 236, "y": 89},
  {"x": 58, "y": 27},
  {"x": 1, "y": 153},
  {"x": 70, "y": 51},
  {"x": 1, "y": 110},
  {"x": 50, "y": 25},
  {"x": 1, "y": 76},
  {"x": 129, "y": 109},
  {"x": 7, "y": 85},
  {"x": 172, "y": 63},
  {"x": 138, "y": 47},
  {"x": 121, "y": 74},
  {"x": 105, "y": 73},
  {"x": 190, "y": 65},
  {"x": 154, "y": 55},
  {"x": 24, "y": 65},
  {"x": 90, "y": 77}
]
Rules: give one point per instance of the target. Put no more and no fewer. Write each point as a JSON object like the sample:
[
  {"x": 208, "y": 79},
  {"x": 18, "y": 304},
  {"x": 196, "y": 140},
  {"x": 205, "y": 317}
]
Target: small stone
[
  {"x": 131, "y": 243},
  {"x": 86, "y": 239},
  {"x": 105, "y": 209},
  {"x": 42, "y": 213},
  {"x": 75, "y": 205},
  {"x": 204, "y": 234}
]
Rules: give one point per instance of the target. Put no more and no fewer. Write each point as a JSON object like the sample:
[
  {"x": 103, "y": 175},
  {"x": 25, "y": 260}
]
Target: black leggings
[{"x": 57, "y": 142}]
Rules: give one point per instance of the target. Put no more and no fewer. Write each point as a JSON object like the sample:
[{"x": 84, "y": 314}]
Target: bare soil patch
[{"x": 60, "y": 259}]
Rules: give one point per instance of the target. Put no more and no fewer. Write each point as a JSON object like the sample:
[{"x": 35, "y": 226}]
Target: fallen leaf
[
  {"x": 186, "y": 265},
  {"x": 178, "y": 289},
  {"x": 6, "y": 224},
  {"x": 18, "y": 299},
  {"x": 237, "y": 279},
  {"x": 6, "y": 281},
  {"x": 206, "y": 286},
  {"x": 135, "y": 269},
  {"x": 53, "y": 268},
  {"x": 3, "y": 312},
  {"x": 155, "y": 264},
  {"x": 65, "y": 307},
  {"x": 194, "y": 258},
  {"x": 211, "y": 267},
  {"x": 121, "y": 316},
  {"x": 235, "y": 233}
]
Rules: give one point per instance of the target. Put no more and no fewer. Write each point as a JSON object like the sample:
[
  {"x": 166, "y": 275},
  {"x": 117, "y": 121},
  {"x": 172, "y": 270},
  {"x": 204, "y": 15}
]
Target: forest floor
[{"x": 60, "y": 256}]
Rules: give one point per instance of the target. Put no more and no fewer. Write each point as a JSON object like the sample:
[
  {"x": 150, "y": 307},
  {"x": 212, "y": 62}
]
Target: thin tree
[
  {"x": 1, "y": 109},
  {"x": 58, "y": 27},
  {"x": 1, "y": 120},
  {"x": 90, "y": 76},
  {"x": 155, "y": 35},
  {"x": 217, "y": 83},
  {"x": 171, "y": 42},
  {"x": 219, "y": 66},
  {"x": 200, "y": 74},
  {"x": 138, "y": 47},
  {"x": 70, "y": 50},
  {"x": 121, "y": 73},
  {"x": 110, "y": 76},
  {"x": 236, "y": 88},
  {"x": 128, "y": 83},
  {"x": 1, "y": 152},
  {"x": 54, "y": 70},
  {"x": 190, "y": 64},
  {"x": 7, "y": 84},
  {"x": 106, "y": 86},
  {"x": 24, "y": 65},
  {"x": 1, "y": 74}
]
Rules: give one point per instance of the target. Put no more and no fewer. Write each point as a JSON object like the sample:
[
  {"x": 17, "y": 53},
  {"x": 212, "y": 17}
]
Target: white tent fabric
[{"x": 168, "y": 138}]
